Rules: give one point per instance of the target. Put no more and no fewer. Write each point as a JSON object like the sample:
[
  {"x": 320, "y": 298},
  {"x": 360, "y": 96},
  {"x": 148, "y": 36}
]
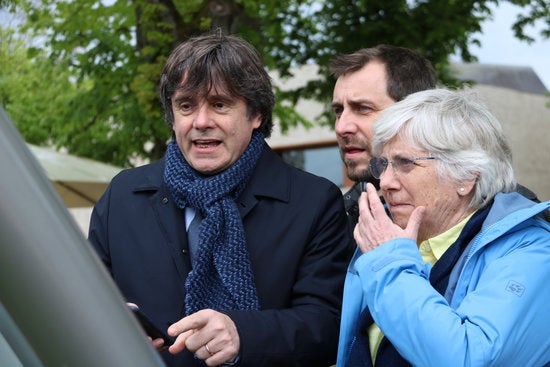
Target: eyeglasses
[{"x": 378, "y": 165}]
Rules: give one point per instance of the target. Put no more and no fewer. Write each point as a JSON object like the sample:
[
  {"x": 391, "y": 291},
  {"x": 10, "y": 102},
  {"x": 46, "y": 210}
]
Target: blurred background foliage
[{"x": 83, "y": 74}]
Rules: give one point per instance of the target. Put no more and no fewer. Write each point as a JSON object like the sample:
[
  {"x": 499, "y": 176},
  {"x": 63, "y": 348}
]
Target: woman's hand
[{"x": 375, "y": 226}]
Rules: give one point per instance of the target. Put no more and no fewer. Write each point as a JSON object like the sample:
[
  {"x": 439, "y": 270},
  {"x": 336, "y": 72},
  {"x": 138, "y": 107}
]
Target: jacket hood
[
  {"x": 509, "y": 212},
  {"x": 513, "y": 208}
]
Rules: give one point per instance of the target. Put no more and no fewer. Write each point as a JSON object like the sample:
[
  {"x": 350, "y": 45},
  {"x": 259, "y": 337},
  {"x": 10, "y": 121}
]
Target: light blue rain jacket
[{"x": 497, "y": 311}]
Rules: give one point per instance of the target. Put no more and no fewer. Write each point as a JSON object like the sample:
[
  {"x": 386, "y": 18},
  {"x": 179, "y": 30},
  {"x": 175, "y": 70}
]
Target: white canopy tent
[{"x": 79, "y": 181}]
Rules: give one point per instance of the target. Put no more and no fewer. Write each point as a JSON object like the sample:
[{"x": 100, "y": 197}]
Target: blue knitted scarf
[{"x": 221, "y": 278}]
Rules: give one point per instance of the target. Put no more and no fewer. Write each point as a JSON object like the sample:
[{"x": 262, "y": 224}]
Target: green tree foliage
[
  {"x": 34, "y": 90},
  {"x": 98, "y": 94}
]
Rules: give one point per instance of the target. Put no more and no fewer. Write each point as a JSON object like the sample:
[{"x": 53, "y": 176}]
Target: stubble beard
[
  {"x": 356, "y": 174},
  {"x": 352, "y": 170}
]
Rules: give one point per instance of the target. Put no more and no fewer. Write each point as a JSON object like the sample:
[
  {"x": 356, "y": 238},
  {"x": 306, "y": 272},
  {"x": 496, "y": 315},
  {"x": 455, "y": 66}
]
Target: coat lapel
[
  {"x": 169, "y": 218},
  {"x": 271, "y": 179}
]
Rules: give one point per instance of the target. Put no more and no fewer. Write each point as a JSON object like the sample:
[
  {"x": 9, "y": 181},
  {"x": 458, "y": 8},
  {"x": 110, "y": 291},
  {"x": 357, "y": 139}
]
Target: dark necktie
[{"x": 193, "y": 235}]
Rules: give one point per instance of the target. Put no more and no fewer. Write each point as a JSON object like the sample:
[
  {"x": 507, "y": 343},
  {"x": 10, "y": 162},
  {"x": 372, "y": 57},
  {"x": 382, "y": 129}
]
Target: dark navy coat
[{"x": 296, "y": 235}]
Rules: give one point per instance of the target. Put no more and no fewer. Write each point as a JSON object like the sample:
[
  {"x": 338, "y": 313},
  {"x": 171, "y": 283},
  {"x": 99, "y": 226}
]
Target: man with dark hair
[
  {"x": 240, "y": 254},
  {"x": 368, "y": 81}
]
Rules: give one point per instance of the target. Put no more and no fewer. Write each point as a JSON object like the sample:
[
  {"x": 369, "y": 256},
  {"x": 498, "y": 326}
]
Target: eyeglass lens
[{"x": 378, "y": 165}]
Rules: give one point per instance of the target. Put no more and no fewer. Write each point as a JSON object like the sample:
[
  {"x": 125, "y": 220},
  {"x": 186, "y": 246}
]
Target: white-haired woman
[{"x": 458, "y": 273}]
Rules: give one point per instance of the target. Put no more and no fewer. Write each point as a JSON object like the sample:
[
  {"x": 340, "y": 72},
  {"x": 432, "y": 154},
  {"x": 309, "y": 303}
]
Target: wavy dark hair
[{"x": 219, "y": 61}]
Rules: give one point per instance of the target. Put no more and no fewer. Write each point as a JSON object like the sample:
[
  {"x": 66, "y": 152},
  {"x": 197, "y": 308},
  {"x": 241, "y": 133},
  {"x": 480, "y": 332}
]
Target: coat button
[
  {"x": 184, "y": 251},
  {"x": 165, "y": 200}
]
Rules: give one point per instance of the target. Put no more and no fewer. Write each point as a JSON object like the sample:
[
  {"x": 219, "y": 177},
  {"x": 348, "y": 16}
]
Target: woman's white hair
[{"x": 458, "y": 129}]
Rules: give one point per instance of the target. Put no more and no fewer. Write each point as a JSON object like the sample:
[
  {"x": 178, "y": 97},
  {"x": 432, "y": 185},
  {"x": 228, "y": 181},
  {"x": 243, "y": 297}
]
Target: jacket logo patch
[{"x": 515, "y": 288}]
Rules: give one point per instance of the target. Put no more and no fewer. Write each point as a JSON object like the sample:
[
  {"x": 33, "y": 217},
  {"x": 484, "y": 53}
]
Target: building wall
[{"x": 526, "y": 121}]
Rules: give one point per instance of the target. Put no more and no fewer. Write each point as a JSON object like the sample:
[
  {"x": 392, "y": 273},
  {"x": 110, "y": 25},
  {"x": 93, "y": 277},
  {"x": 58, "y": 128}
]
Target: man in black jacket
[{"x": 238, "y": 255}]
